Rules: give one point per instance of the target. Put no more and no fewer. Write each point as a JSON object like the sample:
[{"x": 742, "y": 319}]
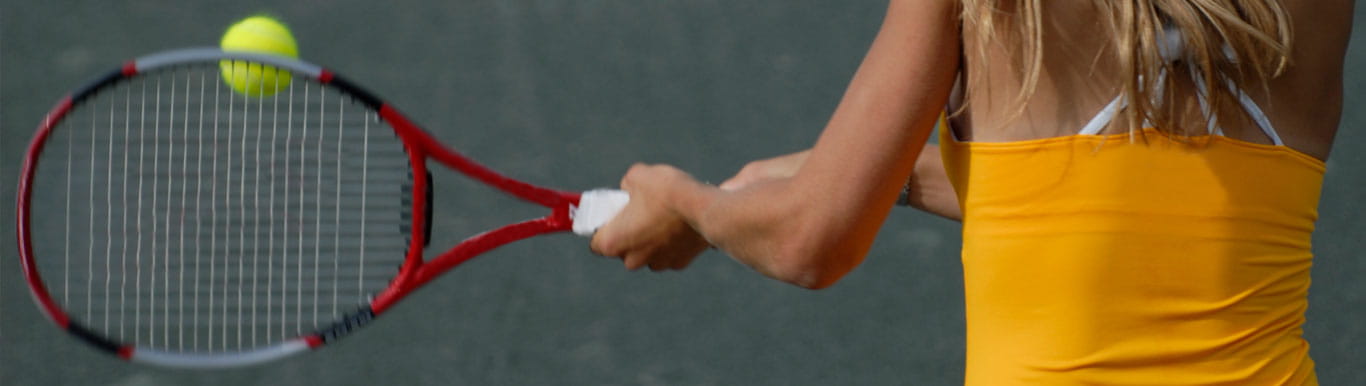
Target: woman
[{"x": 1137, "y": 182}]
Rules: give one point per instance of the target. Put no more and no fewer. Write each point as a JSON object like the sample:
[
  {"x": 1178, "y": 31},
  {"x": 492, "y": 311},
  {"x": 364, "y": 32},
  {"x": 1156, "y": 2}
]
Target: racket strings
[{"x": 196, "y": 218}]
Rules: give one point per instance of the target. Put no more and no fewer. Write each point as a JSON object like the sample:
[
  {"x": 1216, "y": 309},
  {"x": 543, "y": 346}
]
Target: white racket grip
[{"x": 596, "y": 208}]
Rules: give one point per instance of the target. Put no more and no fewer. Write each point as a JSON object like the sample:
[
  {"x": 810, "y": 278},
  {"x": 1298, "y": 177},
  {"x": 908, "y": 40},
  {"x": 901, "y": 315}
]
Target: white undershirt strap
[
  {"x": 1104, "y": 117},
  {"x": 1255, "y": 112},
  {"x": 1171, "y": 47},
  {"x": 1203, "y": 97},
  {"x": 1108, "y": 113}
]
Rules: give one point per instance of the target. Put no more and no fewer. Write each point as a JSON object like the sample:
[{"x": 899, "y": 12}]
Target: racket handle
[{"x": 596, "y": 208}]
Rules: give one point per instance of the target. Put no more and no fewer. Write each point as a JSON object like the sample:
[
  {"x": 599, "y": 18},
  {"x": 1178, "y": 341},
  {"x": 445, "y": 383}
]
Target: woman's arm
[
  {"x": 812, "y": 228},
  {"x": 928, "y": 189}
]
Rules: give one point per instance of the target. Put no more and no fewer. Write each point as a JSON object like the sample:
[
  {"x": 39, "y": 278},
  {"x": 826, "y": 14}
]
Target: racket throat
[
  {"x": 427, "y": 211},
  {"x": 348, "y": 324}
]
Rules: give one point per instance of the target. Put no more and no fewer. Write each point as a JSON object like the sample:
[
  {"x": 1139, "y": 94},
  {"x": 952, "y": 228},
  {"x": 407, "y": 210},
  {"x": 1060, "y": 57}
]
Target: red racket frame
[
  {"x": 421, "y": 146},
  {"x": 414, "y": 272}
]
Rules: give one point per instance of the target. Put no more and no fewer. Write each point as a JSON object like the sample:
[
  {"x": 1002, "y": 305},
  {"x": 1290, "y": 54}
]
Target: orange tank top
[{"x": 1097, "y": 259}]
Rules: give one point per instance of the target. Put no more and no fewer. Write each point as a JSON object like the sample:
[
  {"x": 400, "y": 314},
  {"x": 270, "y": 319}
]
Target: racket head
[{"x": 180, "y": 217}]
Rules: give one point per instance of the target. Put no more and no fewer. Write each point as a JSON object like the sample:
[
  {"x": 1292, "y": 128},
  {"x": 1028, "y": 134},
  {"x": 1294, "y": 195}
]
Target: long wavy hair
[{"x": 1239, "y": 41}]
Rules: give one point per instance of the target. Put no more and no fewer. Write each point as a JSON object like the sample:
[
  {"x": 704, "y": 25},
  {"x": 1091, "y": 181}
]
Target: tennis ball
[{"x": 259, "y": 34}]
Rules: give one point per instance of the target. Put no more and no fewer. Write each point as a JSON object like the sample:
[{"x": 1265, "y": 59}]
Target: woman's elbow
[
  {"x": 813, "y": 267},
  {"x": 816, "y": 280}
]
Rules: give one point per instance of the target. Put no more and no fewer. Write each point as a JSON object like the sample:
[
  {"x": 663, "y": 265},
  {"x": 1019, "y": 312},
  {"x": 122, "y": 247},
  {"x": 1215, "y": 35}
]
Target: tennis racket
[{"x": 189, "y": 224}]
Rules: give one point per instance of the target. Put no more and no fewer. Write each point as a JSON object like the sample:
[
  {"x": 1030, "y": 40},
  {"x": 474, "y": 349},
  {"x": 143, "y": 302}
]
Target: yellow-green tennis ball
[{"x": 258, "y": 34}]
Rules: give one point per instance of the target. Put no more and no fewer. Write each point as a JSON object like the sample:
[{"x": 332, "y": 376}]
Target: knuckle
[
  {"x": 633, "y": 262},
  {"x": 602, "y": 245},
  {"x": 634, "y": 172}
]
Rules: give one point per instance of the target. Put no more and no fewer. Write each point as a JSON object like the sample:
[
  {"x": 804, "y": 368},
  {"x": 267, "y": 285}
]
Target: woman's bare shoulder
[
  {"x": 1307, "y": 97},
  {"x": 1322, "y": 20}
]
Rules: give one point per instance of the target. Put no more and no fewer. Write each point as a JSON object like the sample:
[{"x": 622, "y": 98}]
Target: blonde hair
[{"x": 1239, "y": 41}]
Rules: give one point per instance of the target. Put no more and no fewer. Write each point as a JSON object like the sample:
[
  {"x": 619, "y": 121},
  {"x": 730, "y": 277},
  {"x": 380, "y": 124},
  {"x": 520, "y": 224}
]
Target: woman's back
[
  {"x": 1079, "y": 75},
  {"x": 1162, "y": 258}
]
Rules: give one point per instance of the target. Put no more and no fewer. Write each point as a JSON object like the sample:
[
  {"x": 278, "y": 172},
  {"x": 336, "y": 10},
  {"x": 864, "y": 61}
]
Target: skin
[
  {"x": 809, "y": 218},
  {"x": 1304, "y": 103},
  {"x": 881, "y": 124},
  {"x": 929, "y": 186}
]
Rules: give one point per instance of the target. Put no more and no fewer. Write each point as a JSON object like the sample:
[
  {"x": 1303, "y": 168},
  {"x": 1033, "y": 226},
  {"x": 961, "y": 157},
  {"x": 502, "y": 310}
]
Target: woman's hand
[{"x": 647, "y": 232}]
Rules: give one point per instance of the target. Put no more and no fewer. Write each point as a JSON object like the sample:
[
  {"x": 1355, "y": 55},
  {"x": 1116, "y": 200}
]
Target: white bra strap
[
  {"x": 1107, "y": 114},
  {"x": 1170, "y": 48},
  {"x": 1253, "y": 111},
  {"x": 1256, "y": 113},
  {"x": 1203, "y": 97},
  {"x": 1104, "y": 117}
]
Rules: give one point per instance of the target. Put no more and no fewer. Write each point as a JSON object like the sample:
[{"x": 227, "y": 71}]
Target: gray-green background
[{"x": 568, "y": 94}]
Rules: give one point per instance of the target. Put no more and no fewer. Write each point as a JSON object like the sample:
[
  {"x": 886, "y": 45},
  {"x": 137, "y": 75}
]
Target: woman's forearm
[
  {"x": 928, "y": 188},
  {"x": 812, "y": 228}
]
